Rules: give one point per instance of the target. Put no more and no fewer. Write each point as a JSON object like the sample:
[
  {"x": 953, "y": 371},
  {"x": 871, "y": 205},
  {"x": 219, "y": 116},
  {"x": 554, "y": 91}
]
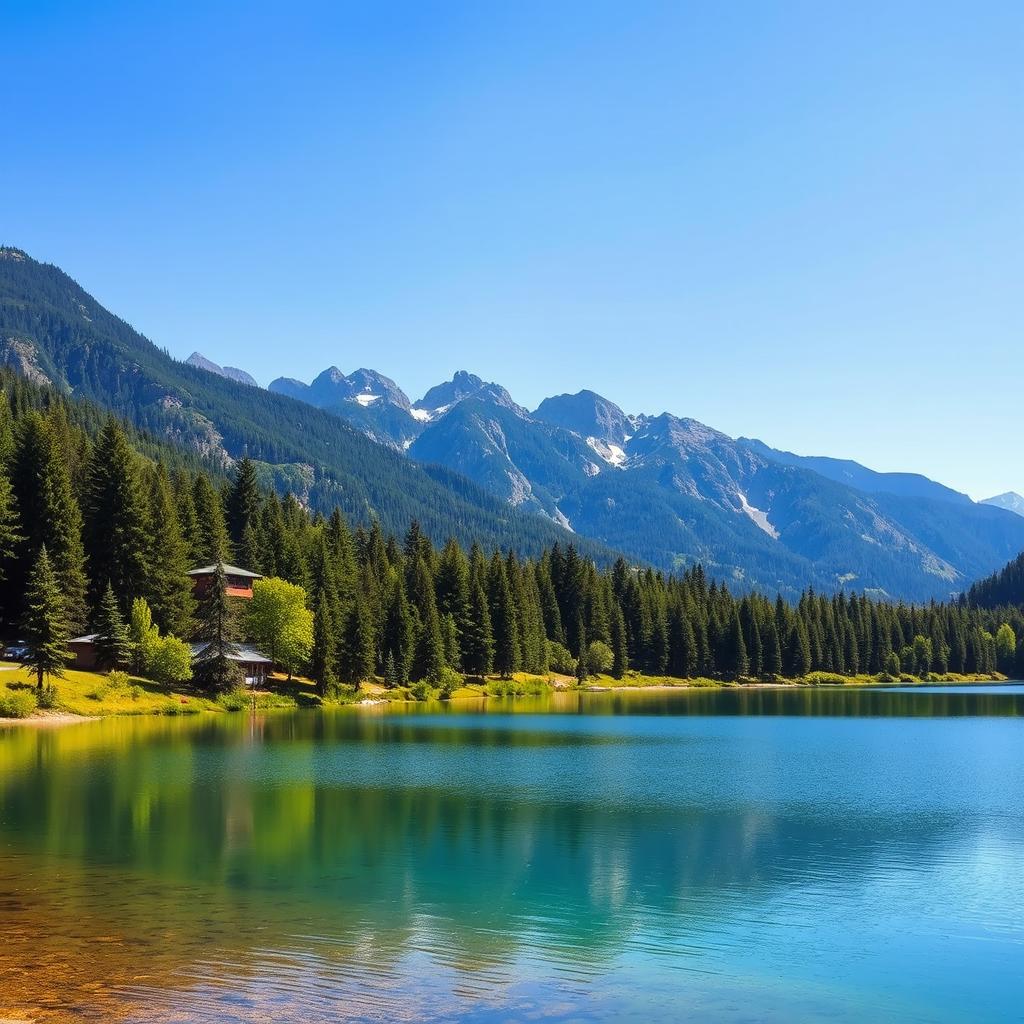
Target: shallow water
[{"x": 740, "y": 855}]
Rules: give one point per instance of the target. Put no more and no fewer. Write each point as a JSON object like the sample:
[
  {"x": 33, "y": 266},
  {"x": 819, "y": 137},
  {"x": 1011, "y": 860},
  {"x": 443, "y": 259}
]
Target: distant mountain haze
[
  {"x": 465, "y": 458},
  {"x": 1011, "y": 501}
]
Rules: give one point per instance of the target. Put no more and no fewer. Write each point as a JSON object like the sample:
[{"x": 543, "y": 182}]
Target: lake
[{"x": 707, "y": 855}]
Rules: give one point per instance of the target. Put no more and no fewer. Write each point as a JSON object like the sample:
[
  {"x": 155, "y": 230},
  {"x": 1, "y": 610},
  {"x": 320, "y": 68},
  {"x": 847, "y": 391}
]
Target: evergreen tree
[
  {"x": 619, "y": 648},
  {"x": 217, "y": 632},
  {"x": 398, "y": 634},
  {"x": 49, "y": 517},
  {"x": 211, "y": 534},
  {"x": 736, "y": 664},
  {"x": 357, "y": 655},
  {"x": 242, "y": 505},
  {"x": 478, "y": 643},
  {"x": 322, "y": 656},
  {"x": 503, "y": 618},
  {"x": 170, "y": 587},
  {"x": 45, "y": 623},
  {"x": 117, "y": 527},
  {"x": 9, "y": 535},
  {"x": 112, "y": 640}
]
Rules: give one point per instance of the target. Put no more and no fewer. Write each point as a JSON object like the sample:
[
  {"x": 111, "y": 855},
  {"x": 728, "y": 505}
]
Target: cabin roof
[
  {"x": 89, "y": 638},
  {"x": 241, "y": 652},
  {"x": 229, "y": 570}
]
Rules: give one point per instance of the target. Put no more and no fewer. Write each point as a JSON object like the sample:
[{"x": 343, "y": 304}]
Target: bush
[
  {"x": 48, "y": 697},
  {"x": 19, "y": 704},
  {"x": 420, "y": 690},
  {"x": 600, "y": 658},
  {"x": 117, "y": 680},
  {"x": 236, "y": 700},
  {"x": 449, "y": 682},
  {"x": 560, "y": 660}
]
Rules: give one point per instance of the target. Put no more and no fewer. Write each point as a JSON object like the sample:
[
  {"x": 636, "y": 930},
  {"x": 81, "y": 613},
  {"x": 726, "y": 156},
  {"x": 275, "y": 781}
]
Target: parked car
[{"x": 17, "y": 652}]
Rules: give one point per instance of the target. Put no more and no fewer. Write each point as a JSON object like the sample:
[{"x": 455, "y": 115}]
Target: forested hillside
[
  {"x": 122, "y": 517},
  {"x": 1005, "y": 587}
]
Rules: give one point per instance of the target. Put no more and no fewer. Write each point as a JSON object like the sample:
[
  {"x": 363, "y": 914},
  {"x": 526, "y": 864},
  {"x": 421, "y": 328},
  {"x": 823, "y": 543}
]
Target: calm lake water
[{"x": 840, "y": 855}]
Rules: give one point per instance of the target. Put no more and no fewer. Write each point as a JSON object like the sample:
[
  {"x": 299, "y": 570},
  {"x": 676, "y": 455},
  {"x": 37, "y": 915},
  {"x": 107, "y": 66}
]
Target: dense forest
[
  {"x": 1005, "y": 587},
  {"x": 117, "y": 517}
]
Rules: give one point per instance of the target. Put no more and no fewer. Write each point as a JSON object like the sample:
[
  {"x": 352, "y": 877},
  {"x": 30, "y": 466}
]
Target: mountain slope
[
  {"x": 53, "y": 331},
  {"x": 1011, "y": 501},
  {"x": 845, "y": 471}
]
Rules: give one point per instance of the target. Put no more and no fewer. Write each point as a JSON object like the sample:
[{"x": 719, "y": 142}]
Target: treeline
[
  {"x": 118, "y": 524},
  {"x": 1003, "y": 588}
]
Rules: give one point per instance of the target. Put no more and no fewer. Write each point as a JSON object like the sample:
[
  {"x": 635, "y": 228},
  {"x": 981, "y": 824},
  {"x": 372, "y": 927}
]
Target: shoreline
[{"x": 54, "y": 719}]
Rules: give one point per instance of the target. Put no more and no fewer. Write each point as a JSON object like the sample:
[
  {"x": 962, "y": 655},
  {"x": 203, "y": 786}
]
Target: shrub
[
  {"x": 235, "y": 700},
  {"x": 48, "y": 697},
  {"x": 600, "y": 658},
  {"x": 449, "y": 682},
  {"x": 18, "y": 704},
  {"x": 560, "y": 659},
  {"x": 117, "y": 680},
  {"x": 420, "y": 690}
]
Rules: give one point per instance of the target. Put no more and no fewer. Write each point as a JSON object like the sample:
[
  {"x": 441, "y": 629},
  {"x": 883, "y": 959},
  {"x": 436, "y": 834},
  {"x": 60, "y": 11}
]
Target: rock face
[{"x": 1011, "y": 501}]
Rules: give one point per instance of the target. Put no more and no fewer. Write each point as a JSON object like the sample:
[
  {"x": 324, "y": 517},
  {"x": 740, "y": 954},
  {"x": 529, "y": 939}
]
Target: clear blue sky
[{"x": 797, "y": 221}]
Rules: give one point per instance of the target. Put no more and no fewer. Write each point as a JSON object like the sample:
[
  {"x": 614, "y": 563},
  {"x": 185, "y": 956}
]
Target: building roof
[
  {"x": 229, "y": 570},
  {"x": 87, "y": 639},
  {"x": 242, "y": 652}
]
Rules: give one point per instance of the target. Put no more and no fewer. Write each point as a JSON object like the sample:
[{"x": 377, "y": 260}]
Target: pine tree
[
  {"x": 45, "y": 623},
  {"x": 322, "y": 657},
  {"x": 478, "y": 644},
  {"x": 211, "y": 534},
  {"x": 397, "y": 636},
  {"x": 503, "y": 618},
  {"x": 242, "y": 505},
  {"x": 9, "y": 535},
  {"x": 112, "y": 641},
  {"x": 117, "y": 526},
  {"x": 170, "y": 587},
  {"x": 429, "y": 662},
  {"x": 217, "y": 631},
  {"x": 49, "y": 517},
  {"x": 735, "y": 663},
  {"x": 357, "y": 652},
  {"x": 619, "y": 648}
]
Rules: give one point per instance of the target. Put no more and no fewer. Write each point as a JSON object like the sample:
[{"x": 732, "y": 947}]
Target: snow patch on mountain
[
  {"x": 365, "y": 400},
  {"x": 423, "y": 415},
  {"x": 757, "y": 517},
  {"x": 612, "y": 453}
]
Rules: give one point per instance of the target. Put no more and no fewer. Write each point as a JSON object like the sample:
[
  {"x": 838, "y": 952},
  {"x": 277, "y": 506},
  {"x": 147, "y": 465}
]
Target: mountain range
[
  {"x": 466, "y": 459},
  {"x": 672, "y": 491}
]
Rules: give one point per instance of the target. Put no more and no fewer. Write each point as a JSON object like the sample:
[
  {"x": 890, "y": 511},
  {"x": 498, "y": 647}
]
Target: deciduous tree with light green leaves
[
  {"x": 1006, "y": 648},
  {"x": 169, "y": 661},
  {"x": 280, "y": 623}
]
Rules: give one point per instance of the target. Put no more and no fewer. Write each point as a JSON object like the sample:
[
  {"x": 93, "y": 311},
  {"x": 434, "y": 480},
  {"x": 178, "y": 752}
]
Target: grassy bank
[{"x": 94, "y": 694}]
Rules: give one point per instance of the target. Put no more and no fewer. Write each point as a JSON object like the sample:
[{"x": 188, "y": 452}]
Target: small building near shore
[
  {"x": 83, "y": 648},
  {"x": 253, "y": 663},
  {"x": 239, "y": 581}
]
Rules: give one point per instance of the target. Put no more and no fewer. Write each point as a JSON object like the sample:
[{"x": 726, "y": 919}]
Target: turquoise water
[{"x": 758, "y": 855}]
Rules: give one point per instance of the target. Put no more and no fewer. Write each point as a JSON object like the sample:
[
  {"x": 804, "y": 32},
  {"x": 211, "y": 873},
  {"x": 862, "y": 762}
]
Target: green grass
[{"x": 94, "y": 694}]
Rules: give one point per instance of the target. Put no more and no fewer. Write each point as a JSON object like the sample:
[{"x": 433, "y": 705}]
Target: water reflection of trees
[{"x": 173, "y": 839}]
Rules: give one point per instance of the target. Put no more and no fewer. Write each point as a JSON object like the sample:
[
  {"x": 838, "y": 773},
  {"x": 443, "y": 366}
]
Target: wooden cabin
[
  {"x": 239, "y": 581},
  {"x": 253, "y": 663},
  {"x": 84, "y": 650}
]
